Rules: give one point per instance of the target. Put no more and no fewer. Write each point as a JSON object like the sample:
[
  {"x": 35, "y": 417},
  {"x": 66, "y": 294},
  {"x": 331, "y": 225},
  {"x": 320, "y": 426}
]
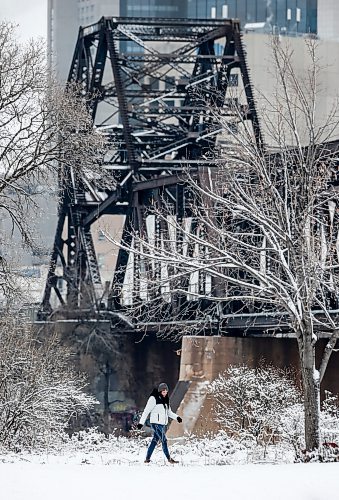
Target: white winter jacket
[{"x": 159, "y": 412}]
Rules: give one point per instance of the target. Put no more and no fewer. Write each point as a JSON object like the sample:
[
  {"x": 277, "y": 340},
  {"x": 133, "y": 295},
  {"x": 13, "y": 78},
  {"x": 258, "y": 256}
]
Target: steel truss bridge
[{"x": 155, "y": 86}]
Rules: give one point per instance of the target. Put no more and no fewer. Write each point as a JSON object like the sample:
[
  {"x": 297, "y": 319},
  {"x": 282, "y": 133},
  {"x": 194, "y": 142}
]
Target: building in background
[
  {"x": 290, "y": 17},
  {"x": 287, "y": 16},
  {"x": 153, "y": 8},
  {"x": 63, "y": 20},
  {"x": 328, "y": 16},
  {"x": 62, "y": 29}
]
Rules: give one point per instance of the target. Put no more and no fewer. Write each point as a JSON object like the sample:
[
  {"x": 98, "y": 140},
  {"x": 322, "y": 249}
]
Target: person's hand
[
  {"x": 139, "y": 427},
  {"x": 179, "y": 419}
]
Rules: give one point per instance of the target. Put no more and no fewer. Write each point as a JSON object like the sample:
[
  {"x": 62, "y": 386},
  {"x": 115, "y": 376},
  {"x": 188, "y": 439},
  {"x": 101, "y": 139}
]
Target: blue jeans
[{"x": 159, "y": 434}]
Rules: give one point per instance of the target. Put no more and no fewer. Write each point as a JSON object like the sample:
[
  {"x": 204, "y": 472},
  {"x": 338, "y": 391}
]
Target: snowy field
[
  {"x": 88, "y": 466},
  {"x": 55, "y": 480}
]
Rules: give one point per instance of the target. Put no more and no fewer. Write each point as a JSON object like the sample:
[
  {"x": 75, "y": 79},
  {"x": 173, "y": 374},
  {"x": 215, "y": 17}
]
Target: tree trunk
[{"x": 311, "y": 384}]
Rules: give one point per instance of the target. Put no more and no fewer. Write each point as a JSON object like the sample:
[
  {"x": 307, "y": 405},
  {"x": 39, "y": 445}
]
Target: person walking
[{"x": 158, "y": 407}]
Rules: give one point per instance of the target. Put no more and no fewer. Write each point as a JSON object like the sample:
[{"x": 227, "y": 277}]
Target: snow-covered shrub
[
  {"x": 327, "y": 452},
  {"x": 217, "y": 449},
  {"x": 261, "y": 404},
  {"x": 329, "y": 418},
  {"x": 292, "y": 428},
  {"x": 39, "y": 390}
]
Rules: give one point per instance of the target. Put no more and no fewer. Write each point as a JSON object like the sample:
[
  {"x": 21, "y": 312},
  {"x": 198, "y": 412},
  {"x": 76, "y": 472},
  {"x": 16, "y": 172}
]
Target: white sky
[{"x": 31, "y": 15}]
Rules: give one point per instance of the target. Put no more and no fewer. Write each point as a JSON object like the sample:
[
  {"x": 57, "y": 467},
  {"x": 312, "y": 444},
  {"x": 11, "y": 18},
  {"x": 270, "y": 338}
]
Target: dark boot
[
  {"x": 172, "y": 461},
  {"x": 147, "y": 461}
]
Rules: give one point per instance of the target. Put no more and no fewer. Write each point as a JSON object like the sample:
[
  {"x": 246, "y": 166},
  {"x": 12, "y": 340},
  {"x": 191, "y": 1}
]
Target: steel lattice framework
[{"x": 151, "y": 83}]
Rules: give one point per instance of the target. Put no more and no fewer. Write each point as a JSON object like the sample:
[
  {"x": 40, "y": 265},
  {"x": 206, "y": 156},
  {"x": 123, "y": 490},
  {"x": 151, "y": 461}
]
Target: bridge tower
[{"x": 155, "y": 87}]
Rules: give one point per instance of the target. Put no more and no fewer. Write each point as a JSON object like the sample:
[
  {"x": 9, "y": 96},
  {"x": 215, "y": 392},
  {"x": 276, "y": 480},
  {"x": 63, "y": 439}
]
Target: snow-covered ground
[
  {"x": 88, "y": 466},
  {"x": 54, "y": 480}
]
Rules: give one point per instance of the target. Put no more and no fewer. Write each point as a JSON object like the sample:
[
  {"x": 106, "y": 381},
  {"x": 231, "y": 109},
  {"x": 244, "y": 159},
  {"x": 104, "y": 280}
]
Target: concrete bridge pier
[
  {"x": 122, "y": 368},
  {"x": 204, "y": 358}
]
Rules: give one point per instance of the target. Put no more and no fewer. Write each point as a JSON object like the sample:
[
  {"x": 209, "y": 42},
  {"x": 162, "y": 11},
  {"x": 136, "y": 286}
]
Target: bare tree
[
  {"x": 41, "y": 127},
  {"x": 260, "y": 235},
  {"x": 39, "y": 389}
]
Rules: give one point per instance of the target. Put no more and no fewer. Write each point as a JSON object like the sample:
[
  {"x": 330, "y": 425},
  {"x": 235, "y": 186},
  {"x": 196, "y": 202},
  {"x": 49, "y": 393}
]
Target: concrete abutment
[{"x": 204, "y": 358}]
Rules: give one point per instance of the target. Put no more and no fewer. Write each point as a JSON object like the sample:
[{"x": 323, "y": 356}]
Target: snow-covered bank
[{"x": 53, "y": 481}]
